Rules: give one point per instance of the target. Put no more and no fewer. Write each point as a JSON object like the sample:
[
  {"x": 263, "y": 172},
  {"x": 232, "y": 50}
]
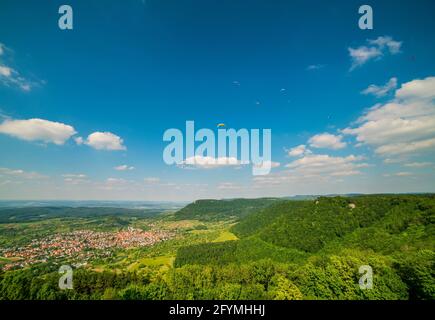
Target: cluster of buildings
[{"x": 81, "y": 246}]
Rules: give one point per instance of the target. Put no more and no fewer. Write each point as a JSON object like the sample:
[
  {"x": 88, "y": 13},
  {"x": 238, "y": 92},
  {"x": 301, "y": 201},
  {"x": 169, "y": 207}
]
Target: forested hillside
[
  {"x": 211, "y": 209},
  {"x": 331, "y": 237},
  {"x": 309, "y": 225}
]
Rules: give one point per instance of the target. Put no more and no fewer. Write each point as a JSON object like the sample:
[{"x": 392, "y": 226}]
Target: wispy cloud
[
  {"x": 19, "y": 173},
  {"x": 387, "y": 42},
  {"x": 419, "y": 164},
  {"x": 315, "y": 67},
  {"x": 75, "y": 178},
  {"x": 380, "y": 91},
  {"x": 267, "y": 164},
  {"x": 361, "y": 55},
  {"x": 151, "y": 180},
  {"x": 229, "y": 186},
  {"x": 321, "y": 164},
  {"x": 79, "y": 141},
  {"x": 375, "y": 50},
  {"x": 123, "y": 167},
  {"x": 313, "y": 170},
  {"x": 299, "y": 150},
  {"x": 11, "y": 77},
  {"x": 74, "y": 175},
  {"x": 206, "y": 162},
  {"x": 398, "y": 174}
]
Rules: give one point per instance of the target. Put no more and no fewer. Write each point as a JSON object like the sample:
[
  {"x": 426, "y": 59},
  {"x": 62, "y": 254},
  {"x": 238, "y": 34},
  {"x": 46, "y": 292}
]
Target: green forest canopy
[{"x": 286, "y": 250}]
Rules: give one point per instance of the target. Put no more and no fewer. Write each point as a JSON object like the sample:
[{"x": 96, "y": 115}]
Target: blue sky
[{"x": 129, "y": 70}]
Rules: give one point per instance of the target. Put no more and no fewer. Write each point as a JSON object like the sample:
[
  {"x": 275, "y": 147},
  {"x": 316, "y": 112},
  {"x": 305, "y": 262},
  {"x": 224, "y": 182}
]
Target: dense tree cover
[
  {"x": 37, "y": 284},
  {"x": 241, "y": 251},
  {"x": 395, "y": 233},
  {"x": 309, "y": 225},
  {"x": 257, "y": 280},
  {"x": 210, "y": 209},
  {"x": 289, "y": 250},
  {"x": 417, "y": 270},
  {"x": 334, "y": 277}
]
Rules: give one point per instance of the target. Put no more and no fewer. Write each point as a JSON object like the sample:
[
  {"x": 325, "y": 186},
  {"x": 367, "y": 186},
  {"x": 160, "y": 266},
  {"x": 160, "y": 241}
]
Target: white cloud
[
  {"x": 75, "y": 178},
  {"x": 404, "y": 125},
  {"x": 75, "y": 181},
  {"x": 38, "y": 130},
  {"x": 273, "y": 179},
  {"x": 123, "y": 167},
  {"x": 167, "y": 184},
  {"x": 380, "y": 91},
  {"x": 79, "y": 140},
  {"x": 74, "y": 175},
  {"x": 418, "y": 164},
  {"x": 392, "y": 161},
  {"x": 408, "y": 147},
  {"x": 21, "y": 174},
  {"x": 315, "y": 67},
  {"x": 376, "y": 49},
  {"x": 298, "y": 151},
  {"x": 311, "y": 171},
  {"x": 25, "y": 87},
  {"x": 206, "y": 162},
  {"x": 398, "y": 174},
  {"x": 419, "y": 89},
  {"x": 325, "y": 165},
  {"x": 151, "y": 180},
  {"x": 267, "y": 164},
  {"x": 5, "y": 71},
  {"x": 6, "y": 182},
  {"x": 362, "y": 54},
  {"x": 105, "y": 141},
  {"x": 11, "y": 77},
  {"x": 387, "y": 42},
  {"x": 115, "y": 181},
  {"x": 229, "y": 186},
  {"x": 403, "y": 174},
  {"x": 327, "y": 140}
]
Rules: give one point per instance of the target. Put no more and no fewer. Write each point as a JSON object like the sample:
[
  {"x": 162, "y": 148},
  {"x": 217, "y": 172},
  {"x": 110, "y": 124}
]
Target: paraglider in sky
[{"x": 221, "y": 125}]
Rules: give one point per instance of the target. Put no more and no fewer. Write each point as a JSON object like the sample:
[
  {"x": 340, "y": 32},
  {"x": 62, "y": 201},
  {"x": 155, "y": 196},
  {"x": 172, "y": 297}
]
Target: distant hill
[
  {"x": 92, "y": 204},
  {"x": 314, "y": 196},
  {"x": 212, "y": 209},
  {"x": 26, "y": 214}
]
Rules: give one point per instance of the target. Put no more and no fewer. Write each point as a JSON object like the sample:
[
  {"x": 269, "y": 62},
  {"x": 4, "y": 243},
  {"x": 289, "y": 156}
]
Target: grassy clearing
[
  {"x": 164, "y": 262},
  {"x": 225, "y": 236}
]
